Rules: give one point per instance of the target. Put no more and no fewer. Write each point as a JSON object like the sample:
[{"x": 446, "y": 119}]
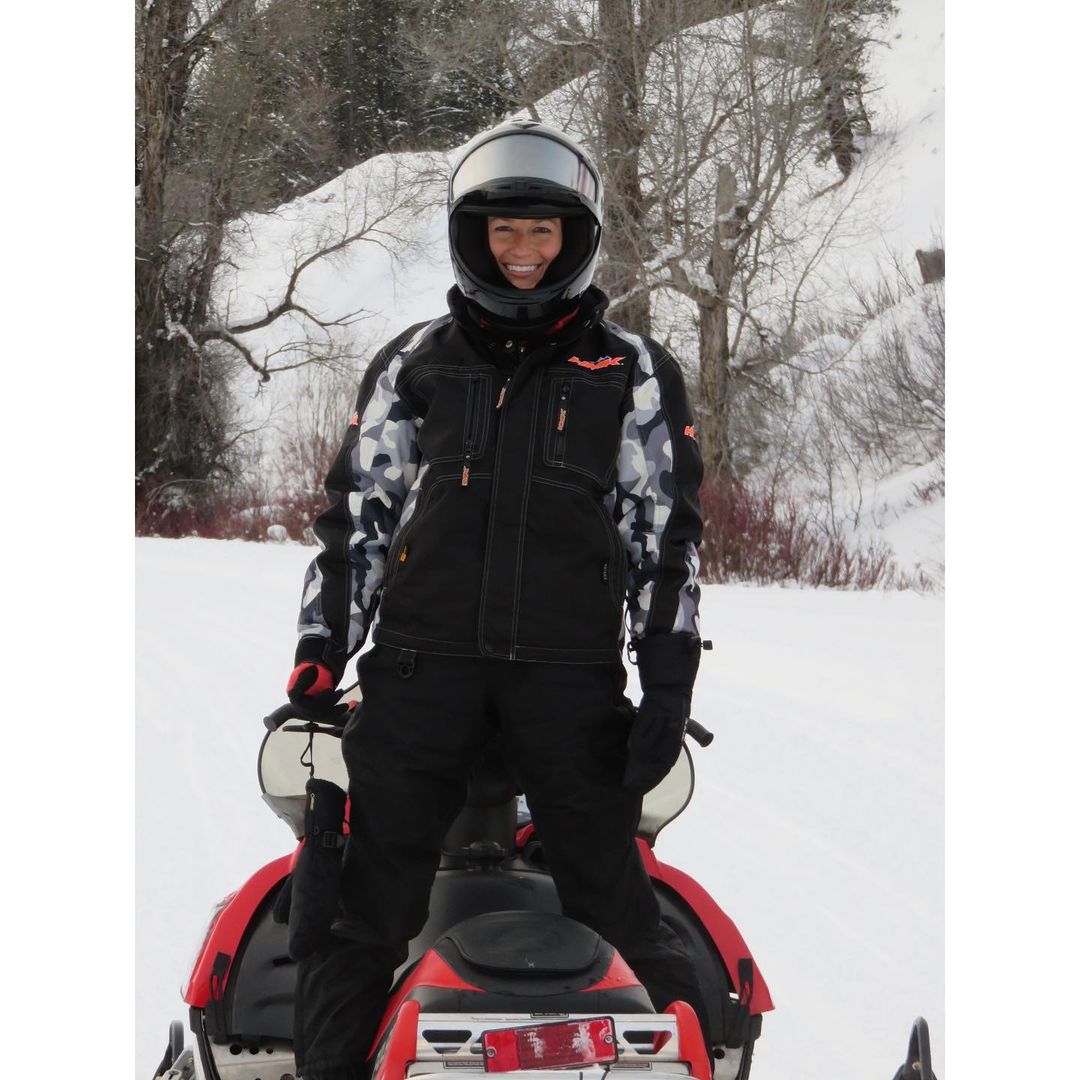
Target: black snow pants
[{"x": 408, "y": 750}]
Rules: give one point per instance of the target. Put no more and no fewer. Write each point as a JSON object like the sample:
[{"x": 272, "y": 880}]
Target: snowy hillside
[
  {"x": 901, "y": 172},
  {"x": 817, "y": 822},
  {"x": 399, "y": 273}
]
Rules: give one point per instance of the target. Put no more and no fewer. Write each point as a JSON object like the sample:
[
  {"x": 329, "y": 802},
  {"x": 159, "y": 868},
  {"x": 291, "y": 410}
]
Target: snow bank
[{"x": 817, "y": 823}]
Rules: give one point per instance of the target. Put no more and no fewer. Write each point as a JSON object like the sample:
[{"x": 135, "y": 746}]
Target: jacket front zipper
[
  {"x": 472, "y": 426},
  {"x": 500, "y": 403},
  {"x": 561, "y": 415}
]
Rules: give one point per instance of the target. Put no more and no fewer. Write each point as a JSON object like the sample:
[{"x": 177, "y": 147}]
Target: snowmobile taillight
[{"x": 551, "y": 1046}]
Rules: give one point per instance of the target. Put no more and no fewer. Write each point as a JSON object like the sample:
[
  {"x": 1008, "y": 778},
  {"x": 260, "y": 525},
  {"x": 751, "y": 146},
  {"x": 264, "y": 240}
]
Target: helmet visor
[{"x": 522, "y": 158}]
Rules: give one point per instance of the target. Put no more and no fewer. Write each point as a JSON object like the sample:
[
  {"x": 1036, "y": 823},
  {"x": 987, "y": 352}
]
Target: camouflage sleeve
[
  {"x": 656, "y": 505},
  {"x": 367, "y": 485}
]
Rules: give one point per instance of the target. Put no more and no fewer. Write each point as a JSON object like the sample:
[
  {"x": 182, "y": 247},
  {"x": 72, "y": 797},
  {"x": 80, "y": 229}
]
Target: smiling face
[{"x": 524, "y": 247}]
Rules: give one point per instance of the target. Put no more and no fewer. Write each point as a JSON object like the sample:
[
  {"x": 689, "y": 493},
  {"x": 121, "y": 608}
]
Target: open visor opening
[{"x": 469, "y": 235}]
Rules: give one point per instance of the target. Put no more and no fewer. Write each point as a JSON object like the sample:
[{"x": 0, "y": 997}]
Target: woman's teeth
[{"x": 515, "y": 269}]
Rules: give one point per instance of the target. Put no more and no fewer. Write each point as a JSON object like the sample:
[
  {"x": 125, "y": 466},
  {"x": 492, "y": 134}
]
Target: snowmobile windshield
[
  {"x": 284, "y": 770},
  {"x": 285, "y": 763},
  {"x": 668, "y": 799}
]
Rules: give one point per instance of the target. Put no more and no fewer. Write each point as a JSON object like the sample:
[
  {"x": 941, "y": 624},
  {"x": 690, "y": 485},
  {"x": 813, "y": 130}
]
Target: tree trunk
[
  {"x": 174, "y": 400},
  {"x": 837, "y": 121},
  {"x": 714, "y": 374},
  {"x": 829, "y": 60},
  {"x": 713, "y": 388},
  {"x": 559, "y": 63},
  {"x": 621, "y": 139},
  {"x": 161, "y": 86}
]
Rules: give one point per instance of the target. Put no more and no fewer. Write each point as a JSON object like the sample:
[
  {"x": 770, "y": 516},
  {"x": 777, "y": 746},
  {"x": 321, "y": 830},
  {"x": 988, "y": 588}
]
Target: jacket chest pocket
[
  {"x": 458, "y": 416},
  {"x": 583, "y": 427}
]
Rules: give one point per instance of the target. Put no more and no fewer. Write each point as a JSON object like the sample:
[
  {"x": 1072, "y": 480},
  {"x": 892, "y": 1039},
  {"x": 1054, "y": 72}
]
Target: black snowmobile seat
[
  {"x": 529, "y": 944},
  {"x": 526, "y": 962}
]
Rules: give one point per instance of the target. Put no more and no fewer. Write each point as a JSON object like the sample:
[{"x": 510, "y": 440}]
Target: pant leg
[
  {"x": 341, "y": 992},
  {"x": 567, "y": 747},
  {"x": 407, "y": 752}
]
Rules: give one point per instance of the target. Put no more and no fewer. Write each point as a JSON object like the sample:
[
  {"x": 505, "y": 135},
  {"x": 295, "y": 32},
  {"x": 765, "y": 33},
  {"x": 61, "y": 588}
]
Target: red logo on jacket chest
[{"x": 593, "y": 365}]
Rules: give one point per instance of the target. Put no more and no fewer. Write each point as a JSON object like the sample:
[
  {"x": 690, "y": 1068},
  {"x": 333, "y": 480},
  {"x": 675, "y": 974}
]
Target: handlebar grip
[
  {"x": 699, "y": 733},
  {"x": 281, "y": 715}
]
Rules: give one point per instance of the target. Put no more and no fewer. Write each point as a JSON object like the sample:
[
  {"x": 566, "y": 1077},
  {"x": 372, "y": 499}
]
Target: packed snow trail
[{"x": 820, "y": 803}]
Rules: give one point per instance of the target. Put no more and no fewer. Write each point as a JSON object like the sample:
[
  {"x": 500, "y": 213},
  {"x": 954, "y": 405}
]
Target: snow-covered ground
[{"x": 817, "y": 822}]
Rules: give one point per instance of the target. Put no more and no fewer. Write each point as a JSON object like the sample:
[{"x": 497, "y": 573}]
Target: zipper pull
[
  {"x": 465, "y": 469},
  {"x": 562, "y": 420},
  {"x": 502, "y": 395},
  {"x": 564, "y": 401}
]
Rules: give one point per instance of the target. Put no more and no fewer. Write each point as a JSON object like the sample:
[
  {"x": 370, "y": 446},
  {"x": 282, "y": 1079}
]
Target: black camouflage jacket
[{"x": 505, "y": 498}]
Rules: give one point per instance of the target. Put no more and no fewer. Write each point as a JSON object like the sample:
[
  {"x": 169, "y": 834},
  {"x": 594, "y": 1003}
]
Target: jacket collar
[{"x": 581, "y": 314}]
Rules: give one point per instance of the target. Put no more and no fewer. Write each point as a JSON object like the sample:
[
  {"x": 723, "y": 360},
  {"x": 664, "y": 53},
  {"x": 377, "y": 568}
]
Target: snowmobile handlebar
[
  {"x": 699, "y": 733},
  {"x": 284, "y": 713}
]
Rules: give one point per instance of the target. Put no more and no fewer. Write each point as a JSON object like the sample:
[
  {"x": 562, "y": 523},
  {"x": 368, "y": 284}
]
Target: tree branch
[
  {"x": 557, "y": 63},
  {"x": 200, "y": 37}
]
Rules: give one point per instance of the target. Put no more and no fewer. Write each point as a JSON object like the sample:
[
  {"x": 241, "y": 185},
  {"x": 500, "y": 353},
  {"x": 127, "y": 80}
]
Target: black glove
[
  {"x": 667, "y": 666},
  {"x": 311, "y": 691},
  {"x": 308, "y": 901}
]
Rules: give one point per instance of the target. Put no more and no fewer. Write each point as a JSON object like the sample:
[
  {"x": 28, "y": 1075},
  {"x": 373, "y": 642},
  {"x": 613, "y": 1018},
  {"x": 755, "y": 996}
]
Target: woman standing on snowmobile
[{"x": 514, "y": 473}]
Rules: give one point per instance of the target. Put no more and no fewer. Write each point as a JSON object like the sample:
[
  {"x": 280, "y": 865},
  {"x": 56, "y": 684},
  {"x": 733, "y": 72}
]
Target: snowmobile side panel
[
  {"x": 227, "y": 930},
  {"x": 258, "y": 1001},
  {"x": 724, "y": 933}
]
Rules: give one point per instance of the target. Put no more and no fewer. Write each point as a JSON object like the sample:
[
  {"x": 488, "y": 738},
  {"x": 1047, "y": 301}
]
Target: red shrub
[
  {"x": 230, "y": 514},
  {"x": 751, "y": 534},
  {"x": 760, "y": 535}
]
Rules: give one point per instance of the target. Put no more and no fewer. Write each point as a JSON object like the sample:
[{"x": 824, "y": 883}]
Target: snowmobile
[{"x": 499, "y": 981}]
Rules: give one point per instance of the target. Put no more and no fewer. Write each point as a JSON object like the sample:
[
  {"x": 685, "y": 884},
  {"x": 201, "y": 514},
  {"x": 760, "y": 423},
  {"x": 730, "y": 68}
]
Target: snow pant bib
[{"x": 408, "y": 750}]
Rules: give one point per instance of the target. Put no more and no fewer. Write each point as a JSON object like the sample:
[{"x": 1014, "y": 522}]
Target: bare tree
[
  {"x": 704, "y": 118},
  {"x": 372, "y": 204},
  {"x": 228, "y": 114},
  {"x": 312, "y": 432},
  {"x": 729, "y": 125},
  {"x": 700, "y": 115},
  {"x": 840, "y": 32},
  {"x": 604, "y": 50}
]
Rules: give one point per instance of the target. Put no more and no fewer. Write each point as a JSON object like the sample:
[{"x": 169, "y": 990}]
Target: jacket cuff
[
  {"x": 668, "y": 662},
  {"x": 319, "y": 650}
]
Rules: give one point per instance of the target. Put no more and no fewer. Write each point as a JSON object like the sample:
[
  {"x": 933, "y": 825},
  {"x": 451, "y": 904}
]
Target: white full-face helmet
[{"x": 524, "y": 169}]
